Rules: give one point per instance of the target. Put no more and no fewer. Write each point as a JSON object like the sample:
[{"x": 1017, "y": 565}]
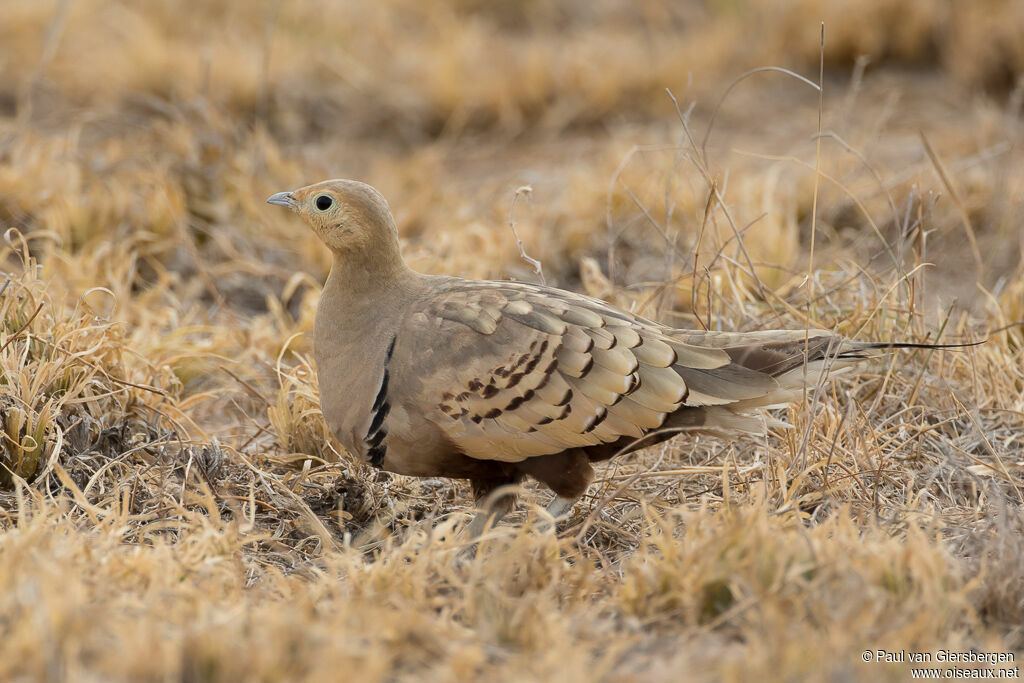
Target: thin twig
[
  {"x": 97, "y": 368},
  {"x": 22, "y": 328},
  {"x": 537, "y": 268},
  {"x": 965, "y": 217},
  {"x": 701, "y": 162},
  {"x": 814, "y": 229},
  {"x": 741, "y": 77}
]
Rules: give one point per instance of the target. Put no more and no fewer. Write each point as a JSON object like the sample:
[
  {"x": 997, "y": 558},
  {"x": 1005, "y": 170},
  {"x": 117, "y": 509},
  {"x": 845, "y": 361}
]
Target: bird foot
[{"x": 559, "y": 508}]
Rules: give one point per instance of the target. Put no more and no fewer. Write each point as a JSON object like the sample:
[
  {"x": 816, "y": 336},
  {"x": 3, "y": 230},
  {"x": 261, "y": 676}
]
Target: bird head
[{"x": 350, "y": 217}]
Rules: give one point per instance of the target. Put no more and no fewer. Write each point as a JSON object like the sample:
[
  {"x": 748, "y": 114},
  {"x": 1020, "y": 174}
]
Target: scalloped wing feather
[{"x": 519, "y": 370}]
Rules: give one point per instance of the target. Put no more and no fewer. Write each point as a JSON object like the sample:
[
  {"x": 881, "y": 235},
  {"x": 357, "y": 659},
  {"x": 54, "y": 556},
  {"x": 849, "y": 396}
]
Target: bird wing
[{"x": 511, "y": 370}]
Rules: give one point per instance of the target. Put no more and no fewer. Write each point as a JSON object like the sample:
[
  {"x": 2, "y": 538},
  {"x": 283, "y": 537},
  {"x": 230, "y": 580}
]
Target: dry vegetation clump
[
  {"x": 172, "y": 504},
  {"x": 69, "y": 381},
  {"x": 318, "y": 69},
  {"x": 744, "y": 592}
]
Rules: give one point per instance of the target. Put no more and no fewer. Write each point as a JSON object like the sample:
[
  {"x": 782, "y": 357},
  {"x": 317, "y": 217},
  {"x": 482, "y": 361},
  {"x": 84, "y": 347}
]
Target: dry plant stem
[
  {"x": 897, "y": 256},
  {"x": 596, "y": 510},
  {"x": 965, "y": 217},
  {"x": 814, "y": 209},
  {"x": 700, "y": 161},
  {"x": 992, "y": 451},
  {"x": 938, "y": 337},
  {"x": 21, "y": 329},
  {"x": 817, "y": 175},
  {"x": 78, "y": 359},
  {"x": 612, "y": 234},
  {"x": 247, "y": 386},
  {"x": 736, "y": 81},
  {"x": 816, "y": 392},
  {"x": 665, "y": 300},
  {"x": 832, "y": 135},
  {"x": 525, "y": 191},
  {"x": 696, "y": 257},
  {"x": 849, "y": 193},
  {"x": 669, "y": 242}
]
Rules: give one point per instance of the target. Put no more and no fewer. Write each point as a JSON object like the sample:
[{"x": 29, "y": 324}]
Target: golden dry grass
[{"x": 173, "y": 506}]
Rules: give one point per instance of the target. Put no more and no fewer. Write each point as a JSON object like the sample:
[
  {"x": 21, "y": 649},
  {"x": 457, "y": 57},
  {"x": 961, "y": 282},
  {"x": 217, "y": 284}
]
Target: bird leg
[
  {"x": 494, "y": 500},
  {"x": 567, "y": 474},
  {"x": 560, "y": 507}
]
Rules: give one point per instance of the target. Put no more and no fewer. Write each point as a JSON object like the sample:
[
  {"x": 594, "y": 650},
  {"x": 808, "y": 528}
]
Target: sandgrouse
[{"x": 429, "y": 375}]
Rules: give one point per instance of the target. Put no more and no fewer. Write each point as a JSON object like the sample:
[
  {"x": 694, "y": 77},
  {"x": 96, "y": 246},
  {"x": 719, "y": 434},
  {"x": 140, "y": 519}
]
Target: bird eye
[{"x": 323, "y": 202}]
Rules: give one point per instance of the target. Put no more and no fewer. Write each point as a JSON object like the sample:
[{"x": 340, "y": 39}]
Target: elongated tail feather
[{"x": 795, "y": 360}]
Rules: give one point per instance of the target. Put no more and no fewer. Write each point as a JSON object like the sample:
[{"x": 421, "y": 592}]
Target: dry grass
[{"x": 173, "y": 505}]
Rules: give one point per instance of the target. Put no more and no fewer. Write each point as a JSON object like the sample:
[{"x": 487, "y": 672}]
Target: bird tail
[
  {"x": 796, "y": 360},
  {"x": 849, "y": 349}
]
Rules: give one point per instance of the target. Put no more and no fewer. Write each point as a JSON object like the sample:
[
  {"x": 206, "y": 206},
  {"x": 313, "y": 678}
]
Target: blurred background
[{"x": 157, "y": 129}]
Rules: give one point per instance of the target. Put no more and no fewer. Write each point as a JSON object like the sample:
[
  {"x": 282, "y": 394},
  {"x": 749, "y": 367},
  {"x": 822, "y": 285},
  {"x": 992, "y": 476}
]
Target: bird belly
[{"x": 416, "y": 447}]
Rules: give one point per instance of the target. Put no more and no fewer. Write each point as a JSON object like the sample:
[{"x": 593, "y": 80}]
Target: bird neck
[{"x": 368, "y": 273}]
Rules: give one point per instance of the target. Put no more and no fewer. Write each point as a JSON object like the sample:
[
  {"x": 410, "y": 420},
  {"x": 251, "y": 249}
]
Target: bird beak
[{"x": 284, "y": 199}]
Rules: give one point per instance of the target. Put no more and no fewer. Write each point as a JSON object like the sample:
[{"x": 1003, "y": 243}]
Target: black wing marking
[{"x": 376, "y": 434}]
